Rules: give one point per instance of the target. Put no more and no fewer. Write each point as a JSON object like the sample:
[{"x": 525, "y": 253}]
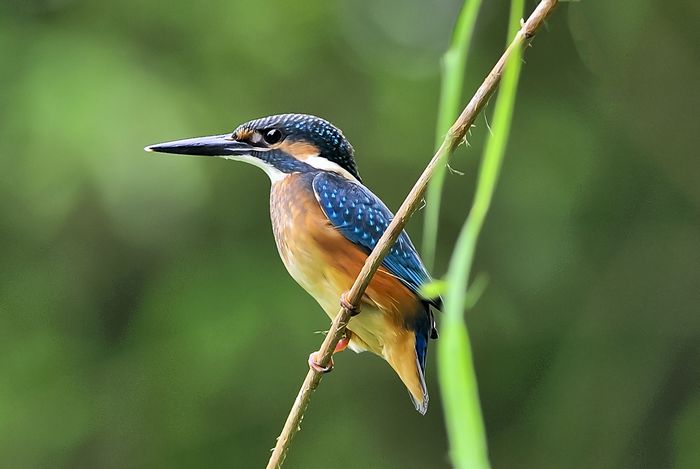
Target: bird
[{"x": 325, "y": 223}]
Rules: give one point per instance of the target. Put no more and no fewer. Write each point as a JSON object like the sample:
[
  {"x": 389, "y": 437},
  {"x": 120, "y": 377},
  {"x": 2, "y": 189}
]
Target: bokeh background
[{"x": 146, "y": 320}]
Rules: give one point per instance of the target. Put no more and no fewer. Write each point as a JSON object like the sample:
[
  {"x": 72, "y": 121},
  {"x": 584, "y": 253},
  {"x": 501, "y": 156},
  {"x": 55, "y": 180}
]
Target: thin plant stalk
[
  {"x": 458, "y": 383},
  {"x": 451, "y": 84}
]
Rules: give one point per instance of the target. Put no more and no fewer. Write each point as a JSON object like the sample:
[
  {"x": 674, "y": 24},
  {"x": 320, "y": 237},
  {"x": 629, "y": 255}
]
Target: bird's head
[{"x": 280, "y": 145}]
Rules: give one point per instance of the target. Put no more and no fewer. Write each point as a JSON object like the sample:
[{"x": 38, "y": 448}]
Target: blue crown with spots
[{"x": 329, "y": 139}]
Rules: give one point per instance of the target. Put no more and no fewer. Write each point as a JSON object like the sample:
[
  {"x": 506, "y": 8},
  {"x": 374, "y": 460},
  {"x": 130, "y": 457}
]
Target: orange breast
[{"x": 326, "y": 264}]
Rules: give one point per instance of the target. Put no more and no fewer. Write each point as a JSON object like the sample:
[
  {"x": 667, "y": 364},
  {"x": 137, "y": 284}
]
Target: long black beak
[{"x": 215, "y": 145}]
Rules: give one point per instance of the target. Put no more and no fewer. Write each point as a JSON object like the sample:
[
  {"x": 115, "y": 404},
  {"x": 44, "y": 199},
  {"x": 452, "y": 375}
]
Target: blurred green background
[{"x": 147, "y": 321}]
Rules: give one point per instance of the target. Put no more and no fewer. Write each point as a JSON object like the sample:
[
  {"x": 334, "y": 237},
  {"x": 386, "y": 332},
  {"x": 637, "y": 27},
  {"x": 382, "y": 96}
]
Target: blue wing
[{"x": 362, "y": 218}]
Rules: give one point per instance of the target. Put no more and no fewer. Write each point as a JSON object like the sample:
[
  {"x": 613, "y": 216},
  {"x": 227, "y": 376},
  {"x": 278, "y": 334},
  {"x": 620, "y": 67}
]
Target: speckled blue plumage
[{"x": 362, "y": 218}]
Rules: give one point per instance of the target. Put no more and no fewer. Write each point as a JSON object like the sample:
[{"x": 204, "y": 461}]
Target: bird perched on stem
[{"x": 325, "y": 224}]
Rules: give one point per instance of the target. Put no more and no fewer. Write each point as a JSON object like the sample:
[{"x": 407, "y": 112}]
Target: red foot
[
  {"x": 339, "y": 347},
  {"x": 316, "y": 367},
  {"x": 354, "y": 311},
  {"x": 342, "y": 344}
]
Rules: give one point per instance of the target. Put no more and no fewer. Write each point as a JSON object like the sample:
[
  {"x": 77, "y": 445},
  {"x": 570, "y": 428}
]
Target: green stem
[
  {"x": 465, "y": 427},
  {"x": 451, "y": 84}
]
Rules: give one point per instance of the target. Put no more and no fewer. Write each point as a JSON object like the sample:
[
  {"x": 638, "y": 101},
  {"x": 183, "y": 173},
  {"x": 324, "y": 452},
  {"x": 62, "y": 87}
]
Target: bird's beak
[{"x": 215, "y": 145}]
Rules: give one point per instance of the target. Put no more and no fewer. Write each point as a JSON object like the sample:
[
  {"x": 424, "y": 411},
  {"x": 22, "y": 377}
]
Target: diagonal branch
[{"x": 452, "y": 140}]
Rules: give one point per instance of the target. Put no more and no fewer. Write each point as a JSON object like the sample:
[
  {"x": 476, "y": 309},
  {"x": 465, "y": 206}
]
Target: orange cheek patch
[{"x": 299, "y": 150}]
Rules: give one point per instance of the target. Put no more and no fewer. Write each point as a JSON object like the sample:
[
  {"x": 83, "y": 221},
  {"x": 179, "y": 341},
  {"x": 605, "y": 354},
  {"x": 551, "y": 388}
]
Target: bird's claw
[
  {"x": 354, "y": 310},
  {"x": 342, "y": 344},
  {"x": 313, "y": 364},
  {"x": 339, "y": 347}
]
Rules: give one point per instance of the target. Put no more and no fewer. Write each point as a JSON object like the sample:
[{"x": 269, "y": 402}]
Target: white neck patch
[{"x": 327, "y": 165}]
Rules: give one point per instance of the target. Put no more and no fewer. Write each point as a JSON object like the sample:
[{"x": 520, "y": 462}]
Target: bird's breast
[{"x": 305, "y": 240}]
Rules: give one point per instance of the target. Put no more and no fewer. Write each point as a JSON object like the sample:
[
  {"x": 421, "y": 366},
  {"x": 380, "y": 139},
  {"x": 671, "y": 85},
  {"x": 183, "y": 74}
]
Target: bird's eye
[{"x": 272, "y": 136}]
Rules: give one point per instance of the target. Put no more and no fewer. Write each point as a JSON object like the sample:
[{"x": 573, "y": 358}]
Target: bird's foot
[
  {"x": 342, "y": 344},
  {"x": 313, "y": 364},
  {"x": 339, "y": 347},
  {"x": 354, "y": 310}
]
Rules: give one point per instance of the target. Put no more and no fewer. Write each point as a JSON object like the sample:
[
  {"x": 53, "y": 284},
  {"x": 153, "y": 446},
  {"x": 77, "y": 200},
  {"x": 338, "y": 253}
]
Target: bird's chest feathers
[{"x": 303, "y": 234}]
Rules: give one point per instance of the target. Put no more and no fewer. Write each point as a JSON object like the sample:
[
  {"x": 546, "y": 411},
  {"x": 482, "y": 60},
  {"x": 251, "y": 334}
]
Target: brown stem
[{"x": 453, "y": 138}]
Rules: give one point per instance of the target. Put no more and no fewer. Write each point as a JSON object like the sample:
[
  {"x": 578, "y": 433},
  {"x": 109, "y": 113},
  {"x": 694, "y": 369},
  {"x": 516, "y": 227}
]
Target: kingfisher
[{"x": 325, "y": 223}]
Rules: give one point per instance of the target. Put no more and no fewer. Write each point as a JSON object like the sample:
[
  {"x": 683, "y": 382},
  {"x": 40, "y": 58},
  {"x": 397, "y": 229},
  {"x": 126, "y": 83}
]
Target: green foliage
[
  {"x": 458, "y": 384},
  {"x": 433, "y": 289},
  {"x": 438, "y": 287}
]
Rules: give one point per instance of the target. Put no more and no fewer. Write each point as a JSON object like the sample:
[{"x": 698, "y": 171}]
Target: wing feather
[{"x": 362, "y": 218}]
